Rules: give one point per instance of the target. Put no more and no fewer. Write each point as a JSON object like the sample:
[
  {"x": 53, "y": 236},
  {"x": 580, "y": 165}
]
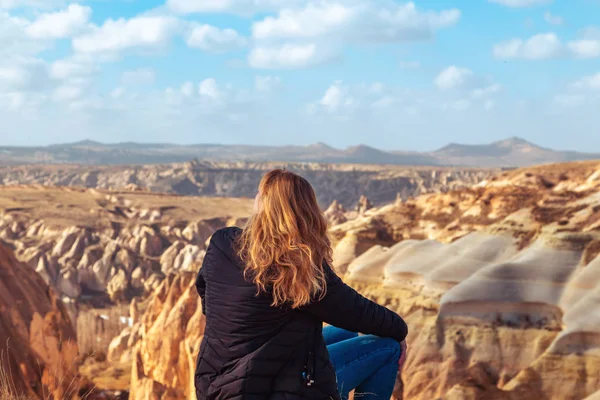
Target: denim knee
[{"x": 394, "y": 347}]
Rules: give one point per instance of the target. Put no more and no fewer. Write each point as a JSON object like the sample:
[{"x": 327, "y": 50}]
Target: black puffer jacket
[{"x": 253, "y": 351}]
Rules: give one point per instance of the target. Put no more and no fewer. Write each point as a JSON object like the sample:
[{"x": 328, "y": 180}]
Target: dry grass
[
  {"x": 8, "y": 389},
  {"x": 72, "y": 385},
  {"x": 65, "y": 207}
]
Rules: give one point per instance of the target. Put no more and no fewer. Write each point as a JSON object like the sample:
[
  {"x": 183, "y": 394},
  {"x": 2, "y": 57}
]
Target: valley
[{"x": 496, "y": 273}]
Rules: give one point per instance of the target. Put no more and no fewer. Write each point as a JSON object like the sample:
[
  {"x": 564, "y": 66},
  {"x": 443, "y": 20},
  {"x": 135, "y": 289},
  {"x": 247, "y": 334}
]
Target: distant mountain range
[{"x": 512, "y": 152}]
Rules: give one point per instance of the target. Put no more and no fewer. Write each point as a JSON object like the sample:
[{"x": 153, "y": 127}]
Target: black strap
[{"x": 311, "y": 360}]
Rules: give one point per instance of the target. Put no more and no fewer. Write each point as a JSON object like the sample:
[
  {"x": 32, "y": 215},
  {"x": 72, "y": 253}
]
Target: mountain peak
[
  {"x": 320, "y": 145},
  {"x": 87, "y": 142},
  {"x": 514, "y": 141}
]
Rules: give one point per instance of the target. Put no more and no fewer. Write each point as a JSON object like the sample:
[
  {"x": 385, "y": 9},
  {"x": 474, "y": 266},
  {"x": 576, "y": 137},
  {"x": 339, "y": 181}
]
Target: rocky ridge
[
  {"x": 499, "y": 284},
  {"x": 97, "y": 244},
  {"x": 508, "y": 152},
  {"x": 342, "y": 182}
]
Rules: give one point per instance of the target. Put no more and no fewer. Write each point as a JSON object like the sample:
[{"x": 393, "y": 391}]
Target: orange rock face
[
  {"x": 170, "y": 331},
  {"x": 37, "y": 341}
]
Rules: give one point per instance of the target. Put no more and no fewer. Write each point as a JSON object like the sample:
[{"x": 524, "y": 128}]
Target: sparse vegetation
[{"x": 8, "y": 389}]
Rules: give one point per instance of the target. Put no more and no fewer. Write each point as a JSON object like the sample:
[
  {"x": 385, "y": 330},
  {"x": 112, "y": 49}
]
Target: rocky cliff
[
  {"x": 342, "y": 182},
  {"x": 37, "y": 342},
  {"x": 163, "y": 343},
  {"x": 499, "y": 284},
  {"x": 91, "y": 244}
]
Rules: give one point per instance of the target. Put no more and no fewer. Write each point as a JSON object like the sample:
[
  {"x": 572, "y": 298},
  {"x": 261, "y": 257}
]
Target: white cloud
[
  {"x": 337, "y": 97},
  {"x": 486, "y": 91},
  {"x": 454, "y": 78},
  {"x": 71, "y": 68},
  {"x": 539, "y": 47},
  {"x": 410, "y": 64},
  {"x": 187, "y": 89},
  {"x": 585, "y": 48},
  {"x": 267, "y": 83},
  {"x": 14, "y": 42},
  {"x": 545, "y": 46},
  {"x": 520, "y": 3},
  {"x": 343, "y": 102},
  {"x": 316, "y": 33},
  {"x": 364, "y": 22},
  {"x": 553, "y": 19},
  {"x": 591, "y": 82},
  {"x": 142, "y": 76},
  {"x": 25, "y": 75},
  {"x": 68, "y": 92},
  {"x": 243, "y": 7},
  {"x": 211, "y": 38},
  {"x": 588, "y": 44},
  {"x": 591, "y": 32},
  {"x": 60, "y": 24},
  {"x": 290, "y": 56},
  {"x": 209, "y": 88},
  {"x": 142, "y": 33},
  {"x": 117, "y": 93}
]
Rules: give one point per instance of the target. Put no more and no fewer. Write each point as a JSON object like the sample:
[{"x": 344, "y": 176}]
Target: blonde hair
[{"x": 284, "y": 245}]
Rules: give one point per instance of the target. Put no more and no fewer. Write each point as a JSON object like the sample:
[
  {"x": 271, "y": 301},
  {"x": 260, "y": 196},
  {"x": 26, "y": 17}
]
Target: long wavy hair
[{"x": 285, "y": 243}]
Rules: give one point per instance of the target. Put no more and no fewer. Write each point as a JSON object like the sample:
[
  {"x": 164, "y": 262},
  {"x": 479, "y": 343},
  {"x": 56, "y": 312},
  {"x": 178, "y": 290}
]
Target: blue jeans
[{"x": 367, "y": 363}]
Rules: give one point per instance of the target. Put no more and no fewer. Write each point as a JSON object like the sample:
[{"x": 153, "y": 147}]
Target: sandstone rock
[
  {"x": 68, "y": 283},
  {"x": 164, "y": 356},
  {"x": 335, "y": 214},
  {"x": 364, "y": 205},
  {"x": 90, "y": 256},
  {"x": 118, "y": 286},
  {"x": 499, "y": 285},
  {"x": 126, "y": 260},
  {"x": 65, "y": 242},
  {"x": 150, "y": 245},
  {"x": 101, "y": 270},
  {"x": 188, "y": 259},
  {"x": 153, "y": 282},
  {"x": 167, "y": 260},
  {"x": 199, "y": 231},
  {"x": 42, "y": 347},
  {"x": 137, "y": 278}
]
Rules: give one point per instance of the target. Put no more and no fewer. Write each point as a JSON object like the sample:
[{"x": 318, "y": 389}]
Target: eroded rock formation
[
  {"x": 342, "y": 182},
  {"x": 37, "y": 342},
  {"x": 92, "y": 243},
  {"x": 165, "y": 342},
  {"x": 499, "y": 283}
]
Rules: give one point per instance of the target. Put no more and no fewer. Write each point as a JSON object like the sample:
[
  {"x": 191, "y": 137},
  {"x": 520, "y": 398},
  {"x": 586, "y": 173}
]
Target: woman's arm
[
  {"x": 200, "y": 282},
  {"x": 345, "y": 308}
]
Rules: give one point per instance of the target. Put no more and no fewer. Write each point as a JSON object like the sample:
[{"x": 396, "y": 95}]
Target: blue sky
[{"x": 392, "y": 74}]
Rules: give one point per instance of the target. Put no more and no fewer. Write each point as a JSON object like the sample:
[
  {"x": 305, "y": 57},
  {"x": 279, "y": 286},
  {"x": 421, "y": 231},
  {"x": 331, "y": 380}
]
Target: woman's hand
[{"x": 403, "y": 349}]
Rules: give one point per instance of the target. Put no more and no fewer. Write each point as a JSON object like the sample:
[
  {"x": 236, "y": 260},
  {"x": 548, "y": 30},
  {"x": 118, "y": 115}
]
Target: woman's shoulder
[
  {"x": 224, "y": 239},
  {"x": 227, "y": 234}
]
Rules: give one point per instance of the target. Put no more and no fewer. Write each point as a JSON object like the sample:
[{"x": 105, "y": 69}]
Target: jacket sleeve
[
  {"x": 345, "y": 308},
  {"x": 200, "y": 282}
]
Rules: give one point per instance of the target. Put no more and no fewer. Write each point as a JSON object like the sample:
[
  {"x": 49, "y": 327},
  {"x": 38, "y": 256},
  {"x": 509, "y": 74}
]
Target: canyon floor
[{"x": 498, "y": 276}]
